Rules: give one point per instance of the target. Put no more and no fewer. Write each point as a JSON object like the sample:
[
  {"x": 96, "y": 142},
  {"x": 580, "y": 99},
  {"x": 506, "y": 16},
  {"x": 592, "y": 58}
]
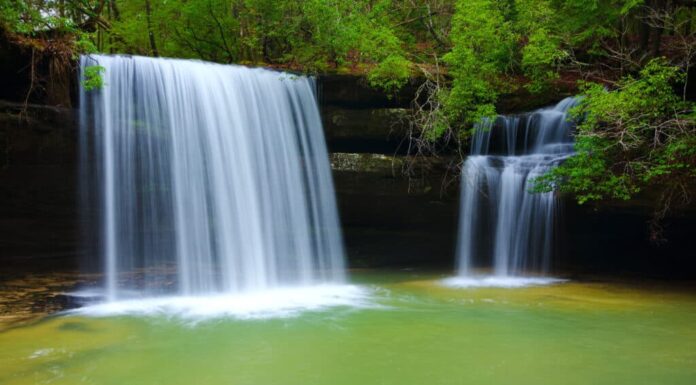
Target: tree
[{"x": 638, "y": 136}]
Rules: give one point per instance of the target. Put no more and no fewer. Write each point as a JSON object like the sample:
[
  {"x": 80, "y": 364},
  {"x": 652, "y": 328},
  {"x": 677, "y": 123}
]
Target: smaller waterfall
[{"x": 501, "y": 223}]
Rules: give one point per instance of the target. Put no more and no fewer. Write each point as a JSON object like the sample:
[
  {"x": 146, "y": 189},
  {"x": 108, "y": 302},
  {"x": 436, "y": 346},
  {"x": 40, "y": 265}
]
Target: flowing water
[
  {"x": 502, "y": 224},
  {"x": 207, "y": 179},
  {"x": 409, "y": 330},
  {"x": 215, "y": 203}
]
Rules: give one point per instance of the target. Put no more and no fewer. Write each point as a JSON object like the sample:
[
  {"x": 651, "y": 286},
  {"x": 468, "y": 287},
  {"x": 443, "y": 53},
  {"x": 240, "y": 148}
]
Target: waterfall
[
  {"x": 502, "y": 224},
  {"x": 206, "y": 178}
]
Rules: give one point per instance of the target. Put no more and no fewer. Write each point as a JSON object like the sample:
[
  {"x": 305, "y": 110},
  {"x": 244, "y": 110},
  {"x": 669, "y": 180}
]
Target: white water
[
  {"x": 271, "y": 303},
  {"x": 206, "y": 179},
  {"x": 496, "y": 281},
  {"x": 502, "y": 225}
]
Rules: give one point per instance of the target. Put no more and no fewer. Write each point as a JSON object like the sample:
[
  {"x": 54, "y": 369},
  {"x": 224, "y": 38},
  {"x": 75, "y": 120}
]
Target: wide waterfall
[
  {"x": 206, "y": 179},
  {"x": 502, "y": 224}
]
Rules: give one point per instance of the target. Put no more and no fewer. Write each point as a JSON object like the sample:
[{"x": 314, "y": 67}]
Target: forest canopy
[{"x": 629, "y": 59}]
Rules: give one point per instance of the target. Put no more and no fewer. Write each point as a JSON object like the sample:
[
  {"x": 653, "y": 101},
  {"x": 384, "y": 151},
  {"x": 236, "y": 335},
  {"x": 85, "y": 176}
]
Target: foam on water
[
  {"x": 497, "y": 281},
  {"x": 273, "y": 303}
]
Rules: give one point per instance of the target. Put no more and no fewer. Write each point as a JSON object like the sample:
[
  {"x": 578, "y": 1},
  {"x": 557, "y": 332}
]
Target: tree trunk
[
  {"x": 116, "y": 13},
  {"x": 151, "y": 35},
  {"x": 656, "y": 35},
  {"x": 687, "y": 26},
  {"x": 644, "y": 31}
]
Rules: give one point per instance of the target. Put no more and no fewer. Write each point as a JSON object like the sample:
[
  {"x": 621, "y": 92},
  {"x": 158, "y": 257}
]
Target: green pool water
[{"x": 420, "y": 333}]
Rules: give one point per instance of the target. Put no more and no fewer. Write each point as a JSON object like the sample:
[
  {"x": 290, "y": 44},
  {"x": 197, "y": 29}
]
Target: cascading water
[
  {"x": 207, "y": 179},
  {"x": 501, "y": 222}
]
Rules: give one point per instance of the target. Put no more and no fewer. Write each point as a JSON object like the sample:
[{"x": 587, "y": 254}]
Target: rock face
[
  {"x": 50, "y": 80},
  {"x": 14, "y": 74},
  {"x": 37, "y": 134},
  {"x": 353, "y": 92},
  {"x": 614, "y": 239},
  {"x": 360, "y": 119},
  {"x": 370, "y": 130},
  {"x": 38, "y": 189},
  {"x": 388, "y": 219}
]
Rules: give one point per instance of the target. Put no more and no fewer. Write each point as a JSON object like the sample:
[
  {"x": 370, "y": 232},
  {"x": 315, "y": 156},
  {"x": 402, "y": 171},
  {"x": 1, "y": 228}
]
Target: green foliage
[
  {"x": 481, "y": 54},
  {"x": 48, "y": 25},
  {"x": 541, "y": 59},
  {"x": 83, "y": 44},
  {"x": 21, "y": 16},
  {"x": 586, "y": 174},
  {"x": 391, "y": 74},
  {"x": 637, "y": 135},
  {"x": 496, "y": 42},
  {"x": 93, "y": 78},
  {"x": 311, "y": 35},
  {"x": 39, "y": 16}
]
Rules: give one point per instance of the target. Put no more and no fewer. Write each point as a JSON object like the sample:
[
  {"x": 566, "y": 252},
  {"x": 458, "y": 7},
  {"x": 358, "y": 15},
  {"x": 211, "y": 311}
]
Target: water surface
[{"x": 417, "y": 332}]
